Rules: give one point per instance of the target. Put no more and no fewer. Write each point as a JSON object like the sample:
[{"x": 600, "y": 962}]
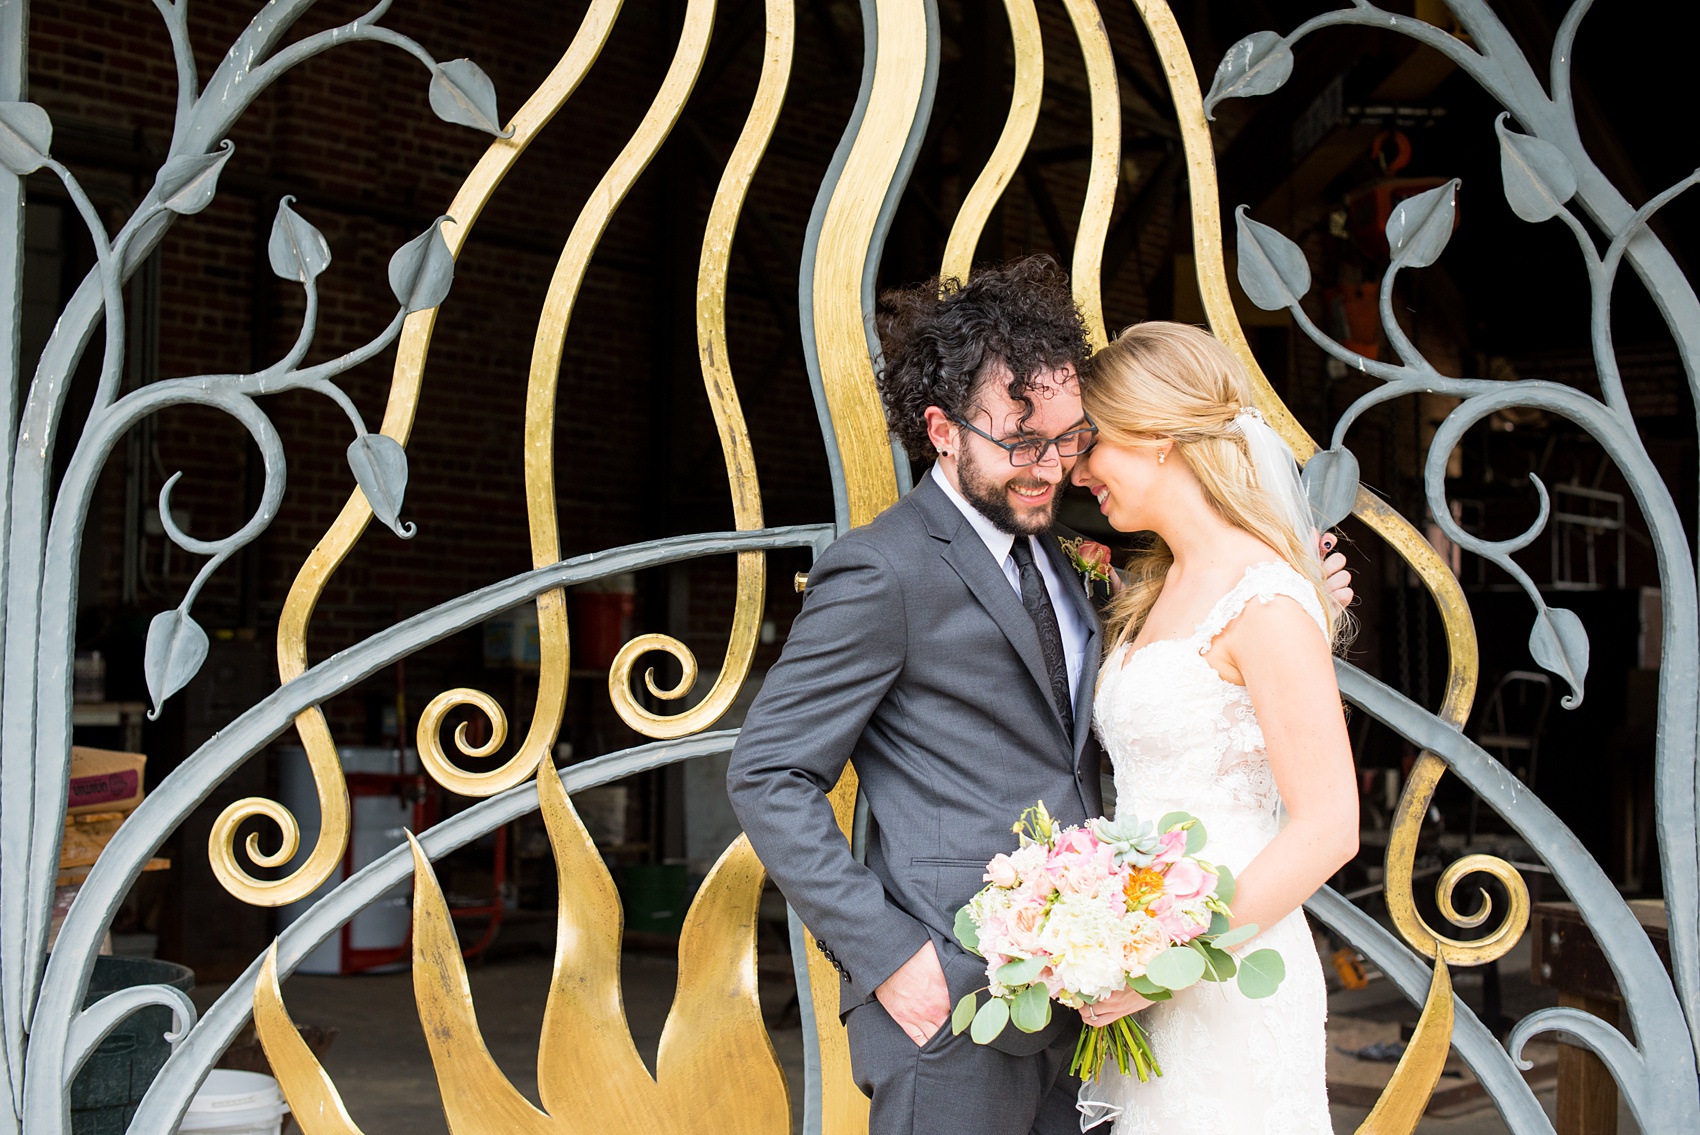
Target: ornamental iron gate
[{"x": 715, "y": 1059}]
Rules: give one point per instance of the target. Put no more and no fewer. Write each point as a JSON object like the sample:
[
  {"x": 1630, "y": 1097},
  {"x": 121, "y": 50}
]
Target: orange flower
[{"x": 1142, "y": 886}]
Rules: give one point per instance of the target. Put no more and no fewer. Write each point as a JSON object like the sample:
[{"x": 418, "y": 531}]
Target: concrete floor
[{"x": 381, "y": 1065}]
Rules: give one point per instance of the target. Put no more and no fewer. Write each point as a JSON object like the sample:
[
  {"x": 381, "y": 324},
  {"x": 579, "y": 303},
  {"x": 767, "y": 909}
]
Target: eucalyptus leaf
[
  {"x": 1256, "y": 65},
  {"x": 1261, "y": 973},
  {"x": 1225, "y": 885},
  {"x": 176, "y": 648},
  {"x": 1272, "y": 269},
  {"x": 1196, "y": 838},
  {"x": 1244, "y": 932},
  {"x": 1031, "y": 1009},
  {"x": 1176, "y": 967},
  {"x": 1173, "y": 820},
  {"x": 188, "y": 182},
  {"x": 966, "y": 932},
  {"x": 1218, "y": 964},
  {"x": 1559, "y": 643},
  {"x": 1331, "y": 485},
  {"x": 380, "y": 466},
  {"x": 1218, "y": 925},
  {"x": 989, "y": 1021},
  {"x": 422, "y": 270},
  {"x": 297, "y": 250},
  {"x": 463, "y": 94},
  {"x": 1019, "y": 972},
  {"x": 26, "y": 137},
  {"x": 1539, "y": 179},
  {"x": 963, "y": 1015},
  {"x": 1421, "y": 225}
]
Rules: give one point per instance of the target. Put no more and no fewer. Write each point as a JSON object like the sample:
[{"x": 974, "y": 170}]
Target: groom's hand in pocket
[{"x": 916, "y": 995}]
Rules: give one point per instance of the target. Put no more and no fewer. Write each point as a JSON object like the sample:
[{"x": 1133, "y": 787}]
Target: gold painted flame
[
  {"x": 334, "y": 546},
  {"x": 715, "y": 1070}
]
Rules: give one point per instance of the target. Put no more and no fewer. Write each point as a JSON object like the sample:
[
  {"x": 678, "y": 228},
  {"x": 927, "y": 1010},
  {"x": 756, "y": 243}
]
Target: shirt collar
[{"x": 997, "y": 541}]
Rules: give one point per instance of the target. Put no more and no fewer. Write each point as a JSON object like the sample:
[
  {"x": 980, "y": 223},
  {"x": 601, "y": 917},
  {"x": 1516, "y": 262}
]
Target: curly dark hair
[{"x": 939, "y": 338}]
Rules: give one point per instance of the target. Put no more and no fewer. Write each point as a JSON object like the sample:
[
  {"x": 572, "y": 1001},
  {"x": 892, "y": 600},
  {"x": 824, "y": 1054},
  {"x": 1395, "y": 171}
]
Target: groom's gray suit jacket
[{"x": 914, "y": 660}]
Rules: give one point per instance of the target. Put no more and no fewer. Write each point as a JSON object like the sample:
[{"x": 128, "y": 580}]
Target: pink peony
[
  {"x": 1179, "y": 923},
  {"x": 1174, "y": 847},
  {"x": 1185, "y": 881},
  {"x": 1000, "y": 872}
]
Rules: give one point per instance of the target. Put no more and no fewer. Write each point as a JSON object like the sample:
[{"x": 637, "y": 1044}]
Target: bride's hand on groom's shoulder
[
  {"x": 1334, "y": 574},
  {"x": 1113, "y": 1008}
]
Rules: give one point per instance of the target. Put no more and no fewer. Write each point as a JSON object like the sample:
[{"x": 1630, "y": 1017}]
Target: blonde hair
[{"x": 1163, "y": 381}]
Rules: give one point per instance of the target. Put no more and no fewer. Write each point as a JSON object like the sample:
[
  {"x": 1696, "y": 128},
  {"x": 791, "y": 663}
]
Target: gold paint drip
[
  {"x": 858, "y": 421},
  {"x": 728, "y": 420},
  {"x": 1006, "y": 156},
  {"x": 715, "y": 1069},
  {"x": 1087, "y": 271},
  {"x": 332, "y": 548}
]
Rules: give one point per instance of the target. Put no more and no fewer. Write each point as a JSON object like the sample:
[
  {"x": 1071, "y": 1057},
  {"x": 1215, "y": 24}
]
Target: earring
[
  {"x": 944, "y": 453},
  {"x": 1161, "y": 454}
]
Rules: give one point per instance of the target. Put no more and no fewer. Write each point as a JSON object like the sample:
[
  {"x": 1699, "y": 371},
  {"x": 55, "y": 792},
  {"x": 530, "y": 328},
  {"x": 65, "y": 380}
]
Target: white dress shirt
[{"x": 1069, "y": 622}]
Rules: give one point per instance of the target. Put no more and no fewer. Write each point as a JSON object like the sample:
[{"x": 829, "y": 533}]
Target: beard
[{"x": 991, "y": 498}]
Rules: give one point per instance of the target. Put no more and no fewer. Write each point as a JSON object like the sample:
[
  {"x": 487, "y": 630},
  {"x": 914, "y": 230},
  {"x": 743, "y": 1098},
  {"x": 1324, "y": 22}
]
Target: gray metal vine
[{"x": 1545, "y": 173}]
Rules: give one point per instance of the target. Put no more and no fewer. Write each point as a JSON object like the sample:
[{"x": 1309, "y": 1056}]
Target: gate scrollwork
[{"x": 44, "y": 1036}]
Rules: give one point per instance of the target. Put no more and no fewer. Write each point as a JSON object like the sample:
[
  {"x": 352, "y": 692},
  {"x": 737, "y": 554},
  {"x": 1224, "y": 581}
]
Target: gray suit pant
[{"x": 952, "y": 1085}]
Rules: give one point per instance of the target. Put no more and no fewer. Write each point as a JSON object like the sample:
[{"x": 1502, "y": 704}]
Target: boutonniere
[{"x": 1091, "y": 559}]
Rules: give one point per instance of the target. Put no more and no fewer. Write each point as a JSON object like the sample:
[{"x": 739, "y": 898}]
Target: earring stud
[{"x": 1161, "y": 454}]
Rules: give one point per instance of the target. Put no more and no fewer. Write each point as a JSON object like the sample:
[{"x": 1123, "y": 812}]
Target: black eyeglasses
[{"x": 1031, "y": 450}]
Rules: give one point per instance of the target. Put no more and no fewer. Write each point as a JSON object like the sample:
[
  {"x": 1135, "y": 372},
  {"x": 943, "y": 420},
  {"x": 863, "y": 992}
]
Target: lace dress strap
[{"x": 1263, "y": 582}]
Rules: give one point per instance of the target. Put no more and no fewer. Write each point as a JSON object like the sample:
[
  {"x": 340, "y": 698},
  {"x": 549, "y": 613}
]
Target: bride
[{"x": 1218, "y": 697}]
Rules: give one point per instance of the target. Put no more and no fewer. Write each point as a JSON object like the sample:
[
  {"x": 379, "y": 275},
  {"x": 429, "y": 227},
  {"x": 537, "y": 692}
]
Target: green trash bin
[
  {"x": 110, "y": 1085},
  {"x": 654, "y": 897}
]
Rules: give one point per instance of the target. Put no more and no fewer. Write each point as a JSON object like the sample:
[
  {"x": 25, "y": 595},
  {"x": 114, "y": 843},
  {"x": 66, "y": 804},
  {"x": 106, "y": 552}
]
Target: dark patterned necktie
[{"x": 1036, "y": 598}]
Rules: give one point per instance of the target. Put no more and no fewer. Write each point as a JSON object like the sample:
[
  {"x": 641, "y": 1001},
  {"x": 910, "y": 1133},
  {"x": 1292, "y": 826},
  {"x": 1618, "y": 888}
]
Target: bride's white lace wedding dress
[{"x": 1182, "y": 737}]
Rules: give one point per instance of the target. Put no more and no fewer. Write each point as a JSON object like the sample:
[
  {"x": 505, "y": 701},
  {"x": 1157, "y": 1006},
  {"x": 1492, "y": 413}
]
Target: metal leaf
[
  {"x": 1539, "y": 179},
  {"x": 176, "y": 648},
  {"x": 1421, "y": 225},
  {"x": 26, "y": 135},
  {"x": 1559, "y": 643},
  {"x": 422, "y": 269},
  {"x": 298, "y": 250},
  {"x": 380, "y": 466},
  {"x": 1256, "y": 65},
  {"x": 188, "y": 182},
  {"x": 463, "y": 94},
  {"x": 1273, "y": 270},
  {"x": 1331, "y": 484}
]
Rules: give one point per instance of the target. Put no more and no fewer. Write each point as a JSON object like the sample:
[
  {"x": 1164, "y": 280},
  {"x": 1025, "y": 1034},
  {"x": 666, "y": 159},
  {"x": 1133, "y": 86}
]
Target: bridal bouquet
[{"x": 1079, "y": 913}]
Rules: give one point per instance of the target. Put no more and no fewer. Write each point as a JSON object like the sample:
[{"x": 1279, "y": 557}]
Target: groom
[
  {"x": 951, "y": 656},
  {"x": 949, "y": 650}
]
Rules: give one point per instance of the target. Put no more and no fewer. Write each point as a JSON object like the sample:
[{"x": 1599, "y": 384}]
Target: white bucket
[{"x": 236, "y": 1103}]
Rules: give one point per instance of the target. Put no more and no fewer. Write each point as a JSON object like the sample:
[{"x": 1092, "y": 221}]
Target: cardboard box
[{"x": 104, "y": 780}]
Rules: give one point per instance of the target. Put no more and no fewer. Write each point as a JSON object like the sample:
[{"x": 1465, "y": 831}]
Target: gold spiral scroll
[
  {"x": 540, "y": 392},
  {"x": 1024, "y": 103},
  {"x": 332, "y": 548},
  {"x": 728, "y": 420},
  {"x": 1087, "y": 270},
  {"x": 1462, "y": 662}
]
